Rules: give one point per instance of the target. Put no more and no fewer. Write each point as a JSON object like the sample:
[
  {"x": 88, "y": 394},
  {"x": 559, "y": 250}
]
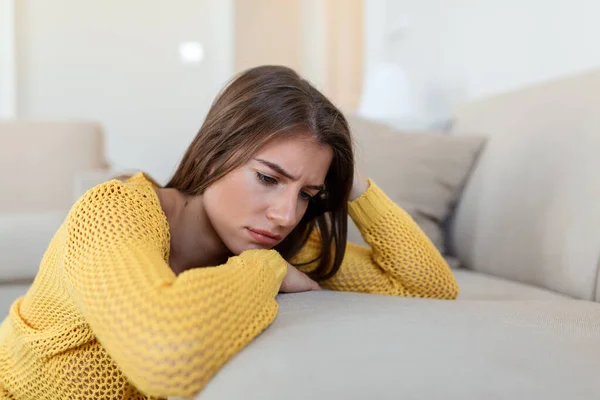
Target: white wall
[
  {"x": 7, "y": 60},
  {"x": 117, "y": 62},
  {"x": 456, "y": 50}
]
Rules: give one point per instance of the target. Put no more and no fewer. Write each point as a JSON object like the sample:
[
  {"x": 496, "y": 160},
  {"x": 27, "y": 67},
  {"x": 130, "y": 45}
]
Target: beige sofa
[
  {"x": 526, "y": 231},
  {"x": 44, "y": 167},
  {"x": 527, "y": 322}
]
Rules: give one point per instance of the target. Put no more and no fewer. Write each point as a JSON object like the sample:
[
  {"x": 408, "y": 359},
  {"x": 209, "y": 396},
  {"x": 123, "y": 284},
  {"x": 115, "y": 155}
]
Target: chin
[
  {"x": 239, "y": 248},
  {"x": 256, "y": 246}
]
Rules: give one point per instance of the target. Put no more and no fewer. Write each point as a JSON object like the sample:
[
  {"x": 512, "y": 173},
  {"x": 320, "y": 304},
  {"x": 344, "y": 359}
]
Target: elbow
[
  {"x": 449, "y": 290},
  {"x": 184, "y": 384},
  {"x": 172, "y": 374},
  {"x": 446, "y": 287},
  {"x": 453, "y": 291},
  {"x": 443, "y": 289},
  {"x": 453, "y": 288}
]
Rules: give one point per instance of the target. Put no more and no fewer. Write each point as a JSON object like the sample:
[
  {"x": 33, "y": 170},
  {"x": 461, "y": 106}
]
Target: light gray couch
[{"x": 527, "y": 322}]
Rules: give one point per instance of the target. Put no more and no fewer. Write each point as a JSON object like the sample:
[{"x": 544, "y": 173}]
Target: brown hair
[{"x": 257, "y": 106}]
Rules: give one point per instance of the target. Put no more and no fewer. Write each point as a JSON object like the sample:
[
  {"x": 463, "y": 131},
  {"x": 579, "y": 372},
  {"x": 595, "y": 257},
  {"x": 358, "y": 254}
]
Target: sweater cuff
[
  {"x": 369, "y": 207},
  {"x": 271, "y": 259}
]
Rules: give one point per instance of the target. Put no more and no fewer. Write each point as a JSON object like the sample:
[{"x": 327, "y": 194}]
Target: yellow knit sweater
[{"x": 106, "y": 318}]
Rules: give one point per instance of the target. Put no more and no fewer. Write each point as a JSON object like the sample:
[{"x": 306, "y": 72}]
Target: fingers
[
  {"x": 309, "y": 283},
  {"x": 284, "y": 287},
  {"x": 315, "y": 286},
  {"x": 296, "y": 281}
]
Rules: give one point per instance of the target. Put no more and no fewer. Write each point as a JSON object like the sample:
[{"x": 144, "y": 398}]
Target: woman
[{"x": 121, "y": 306}]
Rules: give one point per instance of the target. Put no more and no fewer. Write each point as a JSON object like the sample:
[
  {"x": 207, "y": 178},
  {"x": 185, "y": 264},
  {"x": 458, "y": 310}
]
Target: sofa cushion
[
  {"x": 329, "y": 345},
  {"x": 23, "y": 241},
  {"x": 476, "y": 286},
  {"x": 597, "y": 298},
  {"x": 423, "y": 172},
  {"x": 531, "y": 209}
]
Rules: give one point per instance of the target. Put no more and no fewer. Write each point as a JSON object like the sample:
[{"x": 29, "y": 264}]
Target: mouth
[{"x": 264, "y": 237}]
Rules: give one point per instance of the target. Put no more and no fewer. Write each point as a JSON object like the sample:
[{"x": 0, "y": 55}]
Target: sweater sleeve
[
  {"x": 168, "y": 334},
  {"x": 400, "y": 259}
]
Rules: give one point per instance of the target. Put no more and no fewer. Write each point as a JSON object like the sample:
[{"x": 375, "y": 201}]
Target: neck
[{"x": 194, "y": 242}]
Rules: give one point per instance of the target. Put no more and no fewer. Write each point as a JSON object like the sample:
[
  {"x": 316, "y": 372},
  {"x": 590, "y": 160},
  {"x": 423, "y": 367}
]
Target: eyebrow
[{"x": 283, "y": 172}]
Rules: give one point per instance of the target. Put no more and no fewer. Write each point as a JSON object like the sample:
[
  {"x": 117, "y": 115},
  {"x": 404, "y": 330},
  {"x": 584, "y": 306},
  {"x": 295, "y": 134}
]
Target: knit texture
[
  {"x": 400, "y": 259},
  {"x": 106, "y": 318}
]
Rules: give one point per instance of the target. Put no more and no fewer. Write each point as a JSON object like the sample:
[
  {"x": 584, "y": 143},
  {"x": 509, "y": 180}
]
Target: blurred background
[{"x": 147, "y": 70}]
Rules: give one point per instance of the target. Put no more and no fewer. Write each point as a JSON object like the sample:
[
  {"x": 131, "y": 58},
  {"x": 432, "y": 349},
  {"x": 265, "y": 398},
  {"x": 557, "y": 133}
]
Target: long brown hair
[{"x": 266, "y": 103}]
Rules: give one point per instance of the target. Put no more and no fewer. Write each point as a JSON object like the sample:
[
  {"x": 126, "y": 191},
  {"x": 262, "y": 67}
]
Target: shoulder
[
  {"x": 119, "y": 206},
  {"x": 136, "y": 189},
  {"x": 112, "y": 193}
]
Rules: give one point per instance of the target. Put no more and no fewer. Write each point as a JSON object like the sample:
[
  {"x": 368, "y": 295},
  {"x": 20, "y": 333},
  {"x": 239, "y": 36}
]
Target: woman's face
[{"x": 258, "y": 204}]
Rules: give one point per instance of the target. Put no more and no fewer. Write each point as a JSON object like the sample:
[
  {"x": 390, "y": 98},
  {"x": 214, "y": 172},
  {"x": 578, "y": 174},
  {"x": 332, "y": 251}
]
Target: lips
[{"x": 264, "y": 237}]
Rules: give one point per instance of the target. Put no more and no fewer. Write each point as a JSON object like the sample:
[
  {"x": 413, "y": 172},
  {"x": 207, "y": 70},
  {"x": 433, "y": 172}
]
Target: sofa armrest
[
  {"x": 530, "y": 210},
  {"x": 24, "y": 238}
]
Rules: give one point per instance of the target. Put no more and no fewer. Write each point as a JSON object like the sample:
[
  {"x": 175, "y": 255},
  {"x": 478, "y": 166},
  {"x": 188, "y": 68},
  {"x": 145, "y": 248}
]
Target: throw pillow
[{"x": 423, "y": 172}]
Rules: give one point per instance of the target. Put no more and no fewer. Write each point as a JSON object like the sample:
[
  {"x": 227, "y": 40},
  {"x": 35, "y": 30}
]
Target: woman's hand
[
  {"x": 359, "y": 186},
  {"x": 297, "y": 281}
]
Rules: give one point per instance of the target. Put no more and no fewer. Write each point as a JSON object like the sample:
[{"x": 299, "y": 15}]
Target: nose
[{"x": 283, "y": 210}]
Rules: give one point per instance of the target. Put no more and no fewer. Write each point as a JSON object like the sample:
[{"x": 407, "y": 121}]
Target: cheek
[{"x": 238, "y": 194}]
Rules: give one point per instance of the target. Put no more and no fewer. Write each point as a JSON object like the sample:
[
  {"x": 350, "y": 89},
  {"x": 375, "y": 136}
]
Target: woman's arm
[
  {"x": 401, "y": 259},
  {"x": 169, "y": 335}
]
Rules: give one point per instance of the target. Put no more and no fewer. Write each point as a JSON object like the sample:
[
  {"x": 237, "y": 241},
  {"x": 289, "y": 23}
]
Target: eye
[
  {"x": 266, "y": 179},
  {"x": 305, "y": 196}
]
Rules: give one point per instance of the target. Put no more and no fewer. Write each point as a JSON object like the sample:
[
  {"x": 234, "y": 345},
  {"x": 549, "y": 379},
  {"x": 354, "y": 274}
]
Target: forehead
[{"x": 298, "y": 154}]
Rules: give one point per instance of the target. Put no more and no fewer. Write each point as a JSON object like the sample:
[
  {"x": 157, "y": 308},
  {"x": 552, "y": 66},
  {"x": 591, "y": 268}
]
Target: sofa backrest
[
  {"x": 39, "y": 160},
  {"x": 39, "y": 164},
  {"x": 531, "y": 209}
]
